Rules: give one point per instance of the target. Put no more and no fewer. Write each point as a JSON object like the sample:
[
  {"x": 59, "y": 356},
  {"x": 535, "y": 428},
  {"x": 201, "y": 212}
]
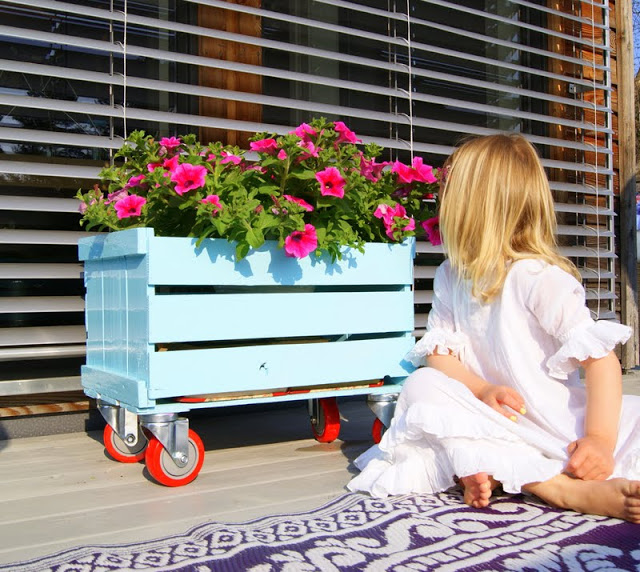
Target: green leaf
[
  {"x": 255, "y": 238},
  {"x": 242, "y": 249},
  {"x": 303, "y": 175}
]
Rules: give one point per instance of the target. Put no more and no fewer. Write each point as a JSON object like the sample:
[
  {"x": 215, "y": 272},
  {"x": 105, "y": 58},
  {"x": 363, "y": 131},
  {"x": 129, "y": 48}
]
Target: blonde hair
[{"x": 497, "y": 208}]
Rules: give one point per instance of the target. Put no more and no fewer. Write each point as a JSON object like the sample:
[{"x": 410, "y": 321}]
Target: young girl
[{"x": 501, "y": 401}]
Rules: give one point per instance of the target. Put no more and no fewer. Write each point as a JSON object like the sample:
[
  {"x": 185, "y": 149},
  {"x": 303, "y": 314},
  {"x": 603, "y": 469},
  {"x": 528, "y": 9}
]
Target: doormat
[{"x": 355, "y": 532}]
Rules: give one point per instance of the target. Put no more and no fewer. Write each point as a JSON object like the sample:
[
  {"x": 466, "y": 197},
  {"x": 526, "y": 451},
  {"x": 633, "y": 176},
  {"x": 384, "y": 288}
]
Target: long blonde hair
[{"x": 497, "y": 208}]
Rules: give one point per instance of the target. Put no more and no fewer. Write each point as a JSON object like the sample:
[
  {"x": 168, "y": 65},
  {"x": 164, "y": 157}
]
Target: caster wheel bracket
[
  {"x": 383, "y": 406},
  {"x": 123, "y": 422},
  {"x": 173, "y": 432}
]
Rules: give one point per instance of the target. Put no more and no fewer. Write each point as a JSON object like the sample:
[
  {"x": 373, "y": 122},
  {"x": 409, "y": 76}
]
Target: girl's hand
[
  {"x": 499, "y": 397},
  {"x": 591, "y": 459}
]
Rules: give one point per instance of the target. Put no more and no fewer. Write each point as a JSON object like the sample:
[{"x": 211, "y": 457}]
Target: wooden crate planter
[{"x": 168, "y": 323}]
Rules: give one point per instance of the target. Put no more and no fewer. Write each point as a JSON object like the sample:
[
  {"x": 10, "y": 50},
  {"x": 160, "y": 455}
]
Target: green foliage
[{"x": 215, "y": 191}]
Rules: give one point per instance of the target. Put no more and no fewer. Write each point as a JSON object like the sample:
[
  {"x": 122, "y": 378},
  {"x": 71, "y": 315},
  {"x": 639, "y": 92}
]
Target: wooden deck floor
[{"x": 63, "y": 491}]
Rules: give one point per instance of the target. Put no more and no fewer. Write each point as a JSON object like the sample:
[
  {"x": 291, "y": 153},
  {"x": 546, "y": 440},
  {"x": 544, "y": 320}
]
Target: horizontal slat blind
[{"x": 413, "y": 75}]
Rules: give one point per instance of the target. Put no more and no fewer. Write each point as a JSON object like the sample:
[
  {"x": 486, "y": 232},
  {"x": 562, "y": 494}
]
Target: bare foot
[
  {"x": 478, "y": 489},
  {"x": 618, "y": 498}
]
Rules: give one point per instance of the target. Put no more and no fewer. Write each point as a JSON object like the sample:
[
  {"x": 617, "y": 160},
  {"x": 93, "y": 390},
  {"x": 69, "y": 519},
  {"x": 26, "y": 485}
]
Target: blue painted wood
[
  {"x": 117, "y": 309},
  {"x": 175, "y": 261},
  {"x": 277, "y": 365},
  {"x": 265, "y": 296},
  {"x": 101, "y": 383},
  {"x": 115, "y": 244},
  {"x": 273, "y": 315},
  {"x": 392, "y": 387}
]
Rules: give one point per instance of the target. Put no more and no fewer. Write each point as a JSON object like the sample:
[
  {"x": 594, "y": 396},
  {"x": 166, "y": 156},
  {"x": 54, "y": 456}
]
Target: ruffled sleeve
[
  {"x": 593, "y": 340},
  {"x": 558, "y": 301},
  {"x": 441, "y": 336}
]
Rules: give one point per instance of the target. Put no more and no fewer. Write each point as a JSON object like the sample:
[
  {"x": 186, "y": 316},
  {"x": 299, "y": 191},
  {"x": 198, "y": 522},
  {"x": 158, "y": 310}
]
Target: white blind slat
[
  {"x": 39, "y": 204},
  {"x": 43, "y": 335},
  {"x": 33, "y": 304},
  {"x": 52, "y": 237},
  {"x": 40, "y": 352},
  {"x": 26, "y": 271}
]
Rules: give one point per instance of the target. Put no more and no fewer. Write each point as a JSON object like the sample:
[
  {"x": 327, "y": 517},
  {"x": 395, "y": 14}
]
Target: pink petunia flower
[
  {"x": 394, "y": 219},
  {"x": 170, "y": 143},
  {"x": 230, "y": 158},
  {"x": 153, "y": 166},
  {"x": 264, "y": 146},
  {"x": 423, "y": 173},
  {"x": 432, "y": 228},
  {"x": 213, "y": 200},
  {"x": 116, "y": 196},
  {"x": 82, "y": 207},
  {"x": 418, "y": 171},
  {"x": 310, "y": 148},
  {"x": 387, "y": 212},
  {"x": 130, "y": 206},
  {"x": 331, "y": 182},
  {"x": 171, "y": 164},
  {"x": 304, "y": 131},
  {"x": 282, "y": 155},
  {"x": 345, "y": 135},
  {"x": 304, "y": 204},
  {"x": 136, "y": 181},
  {"x": 188, "y": 177},
  {"x": 371, "y": 170},
  {"x": 301, "y": 243},
  {"x": 391, "y": 229}
]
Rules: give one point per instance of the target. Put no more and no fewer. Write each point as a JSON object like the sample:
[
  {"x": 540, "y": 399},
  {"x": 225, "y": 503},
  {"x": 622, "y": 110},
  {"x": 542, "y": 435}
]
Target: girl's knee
[{"x": 422, "y": 385}]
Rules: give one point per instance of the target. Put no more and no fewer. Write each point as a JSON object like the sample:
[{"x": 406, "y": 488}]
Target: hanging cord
[
  {"x": 124, "y": 69},
  {"x": 595, "y": 126},
  {"x": 410, "y": 80}
]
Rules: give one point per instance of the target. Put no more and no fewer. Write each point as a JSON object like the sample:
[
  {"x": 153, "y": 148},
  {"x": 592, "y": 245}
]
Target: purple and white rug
[{"x": 407, "y": 533}]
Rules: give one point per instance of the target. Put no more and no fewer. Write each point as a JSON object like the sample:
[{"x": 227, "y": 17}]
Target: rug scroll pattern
[{"x": 408, "y": 533}]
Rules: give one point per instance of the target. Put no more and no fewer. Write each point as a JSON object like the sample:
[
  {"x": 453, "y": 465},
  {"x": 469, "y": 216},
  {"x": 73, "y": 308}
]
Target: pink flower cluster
[
  {"x": 333, "y": 183},
  {"x": 417, "y": 172},
  {"x": 395, "y": 219},
  {"x": 314, "y": 189}
]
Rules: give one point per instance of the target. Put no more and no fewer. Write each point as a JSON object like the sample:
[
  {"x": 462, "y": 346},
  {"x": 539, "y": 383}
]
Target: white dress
[{"x": 532, "y": 338}]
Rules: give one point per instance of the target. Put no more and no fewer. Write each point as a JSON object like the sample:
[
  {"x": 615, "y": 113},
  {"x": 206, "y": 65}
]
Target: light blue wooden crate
[{"x": 332, "y": 323}]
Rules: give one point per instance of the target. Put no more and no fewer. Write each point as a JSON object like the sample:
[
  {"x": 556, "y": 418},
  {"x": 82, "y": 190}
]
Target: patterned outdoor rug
[{"x": 401, "y": 534}]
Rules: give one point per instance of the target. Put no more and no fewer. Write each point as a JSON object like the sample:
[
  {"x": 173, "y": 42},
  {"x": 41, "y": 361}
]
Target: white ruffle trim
[
  {"x": 422, "y": 451},
  {"x": 437, "y": 340},
  {"x": 593, "y": 340}
]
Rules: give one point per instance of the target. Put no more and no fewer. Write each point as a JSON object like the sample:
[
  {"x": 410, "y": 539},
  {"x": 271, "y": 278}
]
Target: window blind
[{"x": 415, "y": 76}]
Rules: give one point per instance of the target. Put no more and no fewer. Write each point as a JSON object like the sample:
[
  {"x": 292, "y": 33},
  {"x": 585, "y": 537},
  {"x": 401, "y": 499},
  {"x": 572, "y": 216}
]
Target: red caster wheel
[
  {"x": 122, "y": 452},
  {"x": 164, "y": 469},
  {"x": 377, "y": 431},
  {"x": 327, "y": 424}
]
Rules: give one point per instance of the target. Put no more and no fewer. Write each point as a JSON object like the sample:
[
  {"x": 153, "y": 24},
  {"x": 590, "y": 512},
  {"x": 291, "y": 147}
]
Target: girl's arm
[
  {"x": 496, "y": 396},
  {"x": 592, "y": 455}
]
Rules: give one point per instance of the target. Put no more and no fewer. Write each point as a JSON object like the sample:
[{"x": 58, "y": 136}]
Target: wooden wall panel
[
  {"x": 239, "y": 23},
  {"x": 627, "y": 265}
]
